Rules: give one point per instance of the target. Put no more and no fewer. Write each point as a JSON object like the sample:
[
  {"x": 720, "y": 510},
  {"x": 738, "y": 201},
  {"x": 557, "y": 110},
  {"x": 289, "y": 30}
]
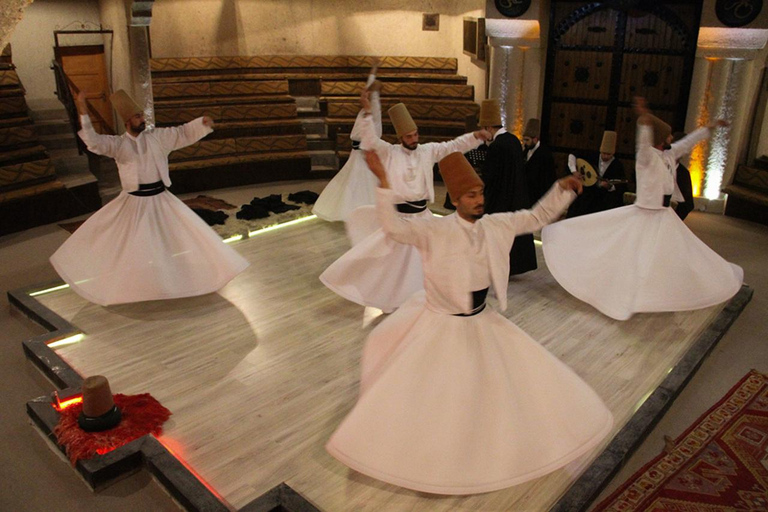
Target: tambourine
[{"x": 586, "y": 172}]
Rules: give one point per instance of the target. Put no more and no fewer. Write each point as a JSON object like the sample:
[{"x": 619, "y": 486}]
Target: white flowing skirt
[
  {"x": 635, "y": 260},
  {"x": 145, "y": 248},
  {"x": 463, "y": 405},
  {"x": 377, "y": 271},
  {"x": 354, "y": 185}
]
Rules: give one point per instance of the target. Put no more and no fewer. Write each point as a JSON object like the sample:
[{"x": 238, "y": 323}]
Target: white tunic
[
  {"x": 378, "y": 271},
  {"x": 464, "y": 404},
  {"x": 144, "y": 248},
  {"x": 640, "y": 258},
  {"x": 354, "y": 185}
]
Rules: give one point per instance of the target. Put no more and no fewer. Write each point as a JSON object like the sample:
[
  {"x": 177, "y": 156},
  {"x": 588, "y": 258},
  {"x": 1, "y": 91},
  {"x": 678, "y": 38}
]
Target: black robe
[
  {"x": 506, "y": 190},
  {"x": 596, "y": 198},
  {"x": 686, "y": 189},
  {"x": 540, "y": 172}
]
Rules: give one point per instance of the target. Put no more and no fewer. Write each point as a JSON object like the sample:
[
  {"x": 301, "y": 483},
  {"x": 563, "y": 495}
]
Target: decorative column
[
  {"x": 138, "y": 34},
  {"x": 515, "y": 70},
  {"x": 724, "y": 74}
]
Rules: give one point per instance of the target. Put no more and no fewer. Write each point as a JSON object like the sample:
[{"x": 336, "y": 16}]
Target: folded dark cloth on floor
[
  {"x": 303, "y": 196},
  {"x": 211, "y": 217},
  {"x": 250, "y": 212},
  {"x": 273, "y": 203}
]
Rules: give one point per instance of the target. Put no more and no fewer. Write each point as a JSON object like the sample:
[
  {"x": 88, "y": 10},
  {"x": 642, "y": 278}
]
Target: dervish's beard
[
  {"x": 478, "y": 212},
  {"x": 411, "y": 146},
  {"x": 140, "y": 128}
]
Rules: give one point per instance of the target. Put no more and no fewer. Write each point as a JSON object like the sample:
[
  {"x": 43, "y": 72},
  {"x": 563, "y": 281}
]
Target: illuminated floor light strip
[
  {"x": 49, "y": 290},
  {"x": 69, "y": 340},
  {"x": 283, "y": 225},
  {"x": 537, "y": 242},
  {"x": 231, "y": 239}
]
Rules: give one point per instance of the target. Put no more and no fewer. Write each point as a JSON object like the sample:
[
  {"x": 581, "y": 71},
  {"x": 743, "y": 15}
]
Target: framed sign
[
  {"x": 737, "y": 13},
  {"x": 512, "y": 8}
]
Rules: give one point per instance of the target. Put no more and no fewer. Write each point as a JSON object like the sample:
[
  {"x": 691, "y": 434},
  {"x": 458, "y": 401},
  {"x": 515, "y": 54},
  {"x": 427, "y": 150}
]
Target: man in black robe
[
  {"x": 506, "y": 186},
  {"x": 683, "y": 179},
  {"x": 608, "y": 191},
  {"x": 540, "y": 164}
]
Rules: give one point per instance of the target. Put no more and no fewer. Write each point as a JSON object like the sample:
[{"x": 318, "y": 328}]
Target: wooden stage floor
[{"x": 260, "y": 374}]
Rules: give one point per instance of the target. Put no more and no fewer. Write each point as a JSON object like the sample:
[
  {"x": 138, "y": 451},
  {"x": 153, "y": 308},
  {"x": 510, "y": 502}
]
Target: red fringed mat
[
  {"x": 720, "y": 464},
  {"x": 142, "y": 415}
]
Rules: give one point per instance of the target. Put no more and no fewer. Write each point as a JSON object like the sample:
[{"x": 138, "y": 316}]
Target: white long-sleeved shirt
[
  {"x": 454, "y": 252},
  {"x": 410, "y": 172},
  {"x": 656, "y": 170},
  {"x": 142, "y": 159}
]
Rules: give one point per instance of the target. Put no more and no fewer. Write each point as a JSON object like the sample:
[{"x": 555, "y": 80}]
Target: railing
[{"x": 66, "y": 91}]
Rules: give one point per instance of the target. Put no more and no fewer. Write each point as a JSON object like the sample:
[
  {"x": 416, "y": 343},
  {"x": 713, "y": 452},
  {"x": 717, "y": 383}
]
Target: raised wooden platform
[{"x": 259, "y": 375}]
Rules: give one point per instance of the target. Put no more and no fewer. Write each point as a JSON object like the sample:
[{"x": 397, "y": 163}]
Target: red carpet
[
  {"x": 142, "y": 415},
  {"x": 720, "y": 464}
]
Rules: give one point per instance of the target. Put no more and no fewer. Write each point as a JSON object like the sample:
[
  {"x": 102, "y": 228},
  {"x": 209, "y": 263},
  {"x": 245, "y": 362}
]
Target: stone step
[
  {"x": 58, "y": 141},
  {"x": 307, "y": 102},
  {"x": 323, "y": 171},
  {"x": 53, "y": 127},
  {"x": 320, "y": 144},
  {"x": 314, "y": 126},
  {"x": 324, "y": 158},
  {"x": 49, "y": 114}
]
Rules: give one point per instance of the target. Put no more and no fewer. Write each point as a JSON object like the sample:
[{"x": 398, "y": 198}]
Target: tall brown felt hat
[
  {"x": 490, "y": 113},
  {"x": 532, "y": 128},
  {"x": 401, "y": 119},
  {"x": 661, "y": 130},
  {"x": 609, "y": 142},
  {"x": 459, "y": 175},
  {"x": 125, "y": 105},
  {"x": 99, "y": 409}
]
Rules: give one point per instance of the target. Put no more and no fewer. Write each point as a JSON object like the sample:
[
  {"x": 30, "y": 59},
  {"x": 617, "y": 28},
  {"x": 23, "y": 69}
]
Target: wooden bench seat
[
  {"x": 13, "y": 176},
  {"x": 14, "y": 156},
  {"x": 30, "y": 191},
  {"x": 402, "y": 90},
  {"x": 223, "y": 100},
  {"x": 334, "y": 76},
  {"x": 433, "y": 109},
  {"x": 300, "y": 64},
  {"x": 13, "y": 106},
  {"x": 217, "y": 88},
  {"x": 218, "y": 163},
  {"x": 227, "y": 112},
  {"x": 9, "y": 79},
  {"x": 17, "y": 137}
]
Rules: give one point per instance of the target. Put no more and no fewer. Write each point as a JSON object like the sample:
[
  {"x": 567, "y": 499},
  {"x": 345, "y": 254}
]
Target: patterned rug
[{"x": 720, "y": 464}]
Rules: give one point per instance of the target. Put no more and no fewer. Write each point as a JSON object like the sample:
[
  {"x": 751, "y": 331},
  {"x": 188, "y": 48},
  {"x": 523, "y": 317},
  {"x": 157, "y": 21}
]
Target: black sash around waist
[
  {"x": 478, "y": 303},
  {"x": 355, "y": 144},
  {"x": 667, "y": 200},
  {"x": 412, "y": 206},
  {"x": 149, "y": 189}
]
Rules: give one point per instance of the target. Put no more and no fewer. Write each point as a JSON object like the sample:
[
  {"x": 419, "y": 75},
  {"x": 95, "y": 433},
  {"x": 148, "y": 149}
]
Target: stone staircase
[
  {"x": 322, "y": 150},
  {"x": 73, "y": 168}
]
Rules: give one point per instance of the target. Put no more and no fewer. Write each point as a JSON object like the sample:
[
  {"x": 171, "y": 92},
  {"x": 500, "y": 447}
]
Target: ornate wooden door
[{"x": 601, "y": 55}]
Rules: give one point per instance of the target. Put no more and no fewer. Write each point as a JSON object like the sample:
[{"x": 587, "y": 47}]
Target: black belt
[
  {"x": 149, "y": 189},
  {"x": 355, "y": 144},
  {"x": 412, "y": 206},
  {"x": 478, "y": 303},
  {"x": 667, "y": 200}
]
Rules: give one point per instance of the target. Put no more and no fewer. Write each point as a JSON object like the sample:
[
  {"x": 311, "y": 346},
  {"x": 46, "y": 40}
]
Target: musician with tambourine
[{"x": 604, "y": 183}]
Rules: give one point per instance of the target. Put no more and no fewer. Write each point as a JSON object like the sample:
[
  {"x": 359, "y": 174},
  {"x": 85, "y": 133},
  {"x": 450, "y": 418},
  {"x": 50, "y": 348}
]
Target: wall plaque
[
  {"x": 512, "y": 8},
  {"x": 737, "y": 13}
]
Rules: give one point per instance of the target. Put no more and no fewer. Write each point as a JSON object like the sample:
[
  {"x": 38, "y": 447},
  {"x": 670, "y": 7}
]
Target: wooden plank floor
[{"x": 259, "y": 375}]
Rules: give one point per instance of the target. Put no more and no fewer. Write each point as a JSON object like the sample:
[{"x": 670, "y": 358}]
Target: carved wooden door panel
[{"x": 601, "y": 55}]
